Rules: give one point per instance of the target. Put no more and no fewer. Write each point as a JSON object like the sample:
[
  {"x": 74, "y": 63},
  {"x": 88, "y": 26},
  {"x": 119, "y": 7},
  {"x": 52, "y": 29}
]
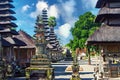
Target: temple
[
  {"x": 107, "y": 38},
  {"x": 8, "y": 29},
  {"x": 7, "y": 39},
  {"x": 40, "y": 65},
  {"x": 55, "y": 51}
]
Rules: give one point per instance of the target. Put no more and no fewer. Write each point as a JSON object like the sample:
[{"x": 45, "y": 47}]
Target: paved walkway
[
  {"x": 86, "y": 74},
  {"x": 60, "y": 74},
  {"x": 83, "y": 68}
]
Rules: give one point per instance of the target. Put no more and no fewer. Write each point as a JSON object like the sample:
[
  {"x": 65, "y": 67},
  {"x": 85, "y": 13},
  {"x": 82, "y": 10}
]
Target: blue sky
[{"x": 65, "y": 11}]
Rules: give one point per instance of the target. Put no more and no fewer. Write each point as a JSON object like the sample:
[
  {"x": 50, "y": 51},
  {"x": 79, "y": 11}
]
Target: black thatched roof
[
  {"x": 8, "y": 24},
  {"x": 101, "y": 2},
  {"x": 6, "y": 5},
  {"x": 19, "y": 42},
  {"x": 5, "y": 43},
  {"x": 106, "y": 13},
  {"x": 46, "y": 27},
  {"x": 106, "y": 10},
  {"x": 7, "y": 11},
  {"x": 6, "y": 0},
  {"x": 4, "y": 30},
  {"x": 105, "y": 34},
  {"x": 7, "y": 18},
  {"x": 14, "y": 41},
  {"x": 1, "y": 28},
  {"x": 14, "y": 32},
  {"x": 7, "y": 30},
  {"x": 49, "y": 46},
  {"x": 100, "y": 18},
  {"x": 55, "y": 49},
  {"x": 27, "y": 39}
]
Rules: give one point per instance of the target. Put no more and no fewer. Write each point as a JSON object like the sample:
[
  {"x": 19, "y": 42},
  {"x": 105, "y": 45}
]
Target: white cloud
[
  {"x": 64, "y": 30},
  {"x": 66, "y": 10},
  {"x": 53, "y": 11},
  {"x": 39, "y": 7},
  {"x": 25, "y": 8}
]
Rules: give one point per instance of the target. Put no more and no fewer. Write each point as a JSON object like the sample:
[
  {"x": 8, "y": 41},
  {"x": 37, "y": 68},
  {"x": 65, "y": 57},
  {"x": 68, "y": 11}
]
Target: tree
[
  {"x": 52, "y": 21},
  {"x": 82, "y": 29}
]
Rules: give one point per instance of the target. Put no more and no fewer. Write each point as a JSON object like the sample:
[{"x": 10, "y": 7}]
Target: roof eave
[{"x": 100, "y": 2}]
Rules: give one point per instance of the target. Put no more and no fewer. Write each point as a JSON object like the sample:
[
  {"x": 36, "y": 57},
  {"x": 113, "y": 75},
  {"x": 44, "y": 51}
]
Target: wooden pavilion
[
  {"x": 107, "y": 37},
  {"x": 23, "y": 54}
]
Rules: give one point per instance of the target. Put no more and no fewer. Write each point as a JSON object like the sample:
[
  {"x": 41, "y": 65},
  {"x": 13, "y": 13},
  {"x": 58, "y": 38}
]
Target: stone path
[{"x": 86, "y": 74}]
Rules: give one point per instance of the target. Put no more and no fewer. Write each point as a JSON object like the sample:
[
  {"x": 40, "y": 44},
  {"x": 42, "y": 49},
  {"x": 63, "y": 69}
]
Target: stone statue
[{"x": 75, "y": 69}]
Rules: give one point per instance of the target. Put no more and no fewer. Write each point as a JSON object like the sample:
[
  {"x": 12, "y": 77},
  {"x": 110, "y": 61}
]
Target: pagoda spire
[
  {"x": 109, "y": 12},
  {"x": 8, "y": 26},
  {"x": 40, "y": 61},
  {"x": 107, "y": 38},
  {"x": 7, "y": 39}
]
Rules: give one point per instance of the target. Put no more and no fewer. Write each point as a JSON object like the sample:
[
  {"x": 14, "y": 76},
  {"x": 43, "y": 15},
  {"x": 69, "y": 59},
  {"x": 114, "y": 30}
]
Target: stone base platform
[
  {"x": 82, "y": 68},
  {"x": 69, "y": 69}
]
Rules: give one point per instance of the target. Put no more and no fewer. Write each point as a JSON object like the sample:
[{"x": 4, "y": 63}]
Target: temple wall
[
  {"x": 111, "y": 49},
  {"x": 23, "y": 55},
  {"x": 111, "y": 52}
]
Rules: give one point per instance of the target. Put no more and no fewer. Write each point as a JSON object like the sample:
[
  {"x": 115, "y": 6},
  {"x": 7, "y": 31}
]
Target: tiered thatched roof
[
  {"x": 7, "y": 30},
  {"x": 108, "y": 13},
  {"x": 106, "y": 10},
  {"x": 27, "y": 39},
  {"x": 100, "y": 3},
  {"x": 105, "y": 34}
]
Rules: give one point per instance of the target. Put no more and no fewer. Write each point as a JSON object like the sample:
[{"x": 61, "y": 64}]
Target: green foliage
[
  {"x": 52, "y": 21},
  {"x": 13, "y": 28},
  {"x": 82, "y": 29}
]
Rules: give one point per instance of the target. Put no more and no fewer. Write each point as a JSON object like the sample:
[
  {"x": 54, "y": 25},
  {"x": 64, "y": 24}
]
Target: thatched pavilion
[
  {"x": 23, "y": 54},
  {"x": 107, "y": 37}
]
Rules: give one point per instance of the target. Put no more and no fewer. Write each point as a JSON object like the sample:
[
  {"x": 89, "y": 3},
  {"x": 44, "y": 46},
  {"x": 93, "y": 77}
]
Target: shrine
[
  {"x": 40, "y": 65},
  {"x": 7, "y": 39},
  {"x": 107, "y": 38}
]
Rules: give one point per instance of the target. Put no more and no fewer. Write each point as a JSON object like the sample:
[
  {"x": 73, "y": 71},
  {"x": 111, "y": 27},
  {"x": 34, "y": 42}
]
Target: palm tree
[{"x": 52, "y": 21}]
